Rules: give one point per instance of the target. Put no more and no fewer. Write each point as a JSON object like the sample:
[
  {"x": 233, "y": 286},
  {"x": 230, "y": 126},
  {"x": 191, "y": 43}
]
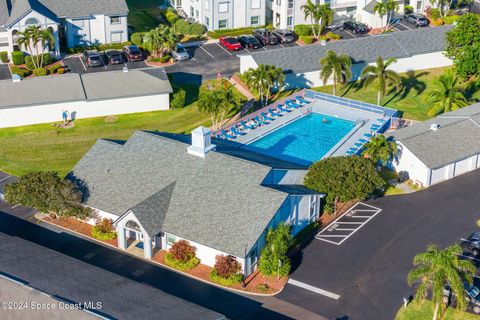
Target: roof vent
[
  {"x": 125, "y": 69},
  {"x": 434, "y": 126},
  {"x": 16, "y": 78},
  {"x": 201, "y": 142}
]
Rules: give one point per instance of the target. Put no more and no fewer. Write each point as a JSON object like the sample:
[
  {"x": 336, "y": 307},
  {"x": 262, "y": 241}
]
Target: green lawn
[
  {"x": 43, "y": 147},
  {"x": 415, "y": 311},
  {"x": 411, "y": 99},
  {"x": 144, "y": 14}
]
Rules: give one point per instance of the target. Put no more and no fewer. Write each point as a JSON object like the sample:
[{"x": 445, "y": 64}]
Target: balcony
[{"x": 336, "y": 4}]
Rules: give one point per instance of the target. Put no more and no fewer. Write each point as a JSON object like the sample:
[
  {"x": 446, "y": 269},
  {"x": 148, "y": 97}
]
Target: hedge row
[
  {"x": 97, "y": 233},
  {"x": 185, "y": 27},
  {"x": 230, "y": 281},
  {"x": 234, "y": 32},
  {"x": 180, "y": 265},
  {"x": 4, "y": 56},
  {"x": 100, "y": 47},
  {"x": 20, "y": 71}
]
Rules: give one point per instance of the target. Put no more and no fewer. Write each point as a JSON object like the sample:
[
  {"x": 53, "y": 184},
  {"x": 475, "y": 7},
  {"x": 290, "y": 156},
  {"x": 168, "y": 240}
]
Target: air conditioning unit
[{"x": 434, "y": 126}]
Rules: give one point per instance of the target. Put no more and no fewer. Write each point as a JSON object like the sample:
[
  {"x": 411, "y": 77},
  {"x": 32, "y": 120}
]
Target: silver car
[{"x": 179, "y": 53}]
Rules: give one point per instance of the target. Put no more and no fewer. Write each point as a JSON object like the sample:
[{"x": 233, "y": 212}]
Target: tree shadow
[
  {"x": 471, "y": 89},
  {"x": 354, "y": 85},
  {"x": 411, "y": 82}
]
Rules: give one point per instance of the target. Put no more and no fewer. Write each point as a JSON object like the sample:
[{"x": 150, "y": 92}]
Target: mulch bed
[
  {"x": 252, "y": 282},
  {"x": 78, "y": 226},
  {"x": 158, "y": 64}
]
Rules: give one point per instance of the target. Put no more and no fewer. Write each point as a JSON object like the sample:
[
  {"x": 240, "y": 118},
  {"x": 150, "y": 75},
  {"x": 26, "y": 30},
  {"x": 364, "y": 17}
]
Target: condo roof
[
  {"x": 75, "y": 87},
  {"x": 218, "y": 201},
  {"x": 361, "y": 50},
  {"x": 456, "y": 138}
]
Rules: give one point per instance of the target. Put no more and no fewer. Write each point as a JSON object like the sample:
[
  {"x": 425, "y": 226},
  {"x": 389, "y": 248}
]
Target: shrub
[
  {"x": 103, "y": 230},
  {"x": 29, "y": 60},
  {"x": 54, "y": 69},
  {"x": 182, "y": 256},
  {"x": 4, "y": 56},
  {"x": 278, "y": 242},
  {"x": 180, "y": 265},
  {"x": 185, "y": 27},
  {"x": 229, "y": 281},
  {"x": 347, "y": 178},
  {"x": 20, "y": 71},
  {"x": 178, "y": 99},
  {"x": 450, "y": 19},
  {"x": 408, "y": 9},
  {"x": 61, "y": 70},
  {"x": 437, "y": 22},
  {"x": 226, "y": 266},
  {"x": 137, "y": 38},
  {"x": 303, "y": 30},
  {"x": 171, "y": 16},
  {"x": 165, "y": 58},
  {"x": 333, "y": 36},
  {"x": 307, "y": 39},
  {"x": 233, "y": 32},
  {"x": 18, "y": 58},
  {"x": 435, "y": 13},
  {"x": 40, "y": 72},
  {"x": 263, "y": 287}
]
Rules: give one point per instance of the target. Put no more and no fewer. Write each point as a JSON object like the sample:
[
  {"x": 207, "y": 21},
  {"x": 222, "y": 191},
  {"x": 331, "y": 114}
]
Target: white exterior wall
[
  {"x": 99, "y": 215},
  {"x": 416, "y": 169},
  {"x": 81, "y": 109},
  {"x": 95, "y": 29}
]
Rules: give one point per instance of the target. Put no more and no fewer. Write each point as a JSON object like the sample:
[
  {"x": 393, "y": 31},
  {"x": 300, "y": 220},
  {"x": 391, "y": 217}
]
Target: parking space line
[
  {"x": 281, "y": 45},
  {"x": 103, "y": 62},
  {"x": 470, "y": 258},
  {"x": 334, "y": 235},
  {"x": 5, "y": 178},
  {"x": 344, "y": 229},
  {"x": 211, "y": 56},
  {"x": 404, "y": 25},
  {"x": 223, "y": 48},
  {"x": 16, "y": 206},
  {"x": 314, "y": 289},
  {"x": 246, "y": 50},
  {"x": 83, "y": 64},
  {"x": 264, "y": 49},
  {"x": 364, "y": 217},
  {"x": 326, "y": 240},
  {"x": 348, "y": 32},
  {"x": 374, "y": 208},
  {"x": 349, "y": 222}
]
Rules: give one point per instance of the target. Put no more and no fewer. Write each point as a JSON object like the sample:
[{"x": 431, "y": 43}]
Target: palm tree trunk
[
  {"x": 379, "y": 97},
  {"x": 334, "y": 84},
  {"x": 435, "y": 312},
  {"x": 213, "y": 123}
]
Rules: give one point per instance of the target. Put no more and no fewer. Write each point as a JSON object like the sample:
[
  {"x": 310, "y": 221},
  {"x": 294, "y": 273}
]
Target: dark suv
[
  {"x": 264, "y": 36},
  {"x": 92, "y": 58},
  {"x": 356, "y": 27},
  {"x": 284, "y": 35},
  {"x": 132, "y": 53},
  {"x": 472, "y": 244},
  {"x": 418, "y": 20}
]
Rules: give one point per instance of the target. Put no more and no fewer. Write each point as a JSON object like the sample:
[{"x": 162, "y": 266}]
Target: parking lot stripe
[
  {"x": 314, "y": 289},
  {"x": 349, "y": 222},
  {"x": 4, "y": 178},
  {"x": 281, "y": 45},
  {"x": 333, "y": 235},
  {"x": 16, "y": 206},
  {"x": 348, "y": 32},
  {"x": 374, "y": 208},
  {"x": 470, "y": 258},
  {"x": 326, "y": 240},
  {"x": 224, "y": 49},
  {"x": 211, "y": 56},
  {"x": 83, "y": 64},
  {"x": 404, "y": 26},
  {"x": 344, "y": 229},
  {"x": 364, "y": 217}
]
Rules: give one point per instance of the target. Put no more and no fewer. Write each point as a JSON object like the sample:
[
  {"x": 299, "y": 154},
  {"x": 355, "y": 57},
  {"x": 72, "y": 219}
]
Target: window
[
  {"x": 290, "y": 4},
  {"x": 192, "y": 11},
  {"x": 207, "y": 4},
  {"x": 351, "y": 10},
  {"x": 419, "y": 5},
  {"x": 255, "y": 20},
  {"x": 207, "y": 21},
  {"x": 78, "y": 22},
  {"x": 197, "y": 14},
  {"x": 171, "y": 239},
  {"x": 78, "y": 39},
  {"x": 115, "y": 20},
  {"x": 290, "y": 21},
  {"x": 255, "y": 4},
  {"x": 222, "y": 24},
  {"x": 313, "y": 207},
  {"x": 223, "y": 7},
  {"x": 116, "y": 37},
  {"x": 32, "y": 21}
]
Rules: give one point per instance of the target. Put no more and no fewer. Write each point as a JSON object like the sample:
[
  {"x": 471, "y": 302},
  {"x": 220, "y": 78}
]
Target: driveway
[
  {"x": 76, "y": 64},
  {"x": 5, "y": 72},
  {"x": 364, "y": 277}
]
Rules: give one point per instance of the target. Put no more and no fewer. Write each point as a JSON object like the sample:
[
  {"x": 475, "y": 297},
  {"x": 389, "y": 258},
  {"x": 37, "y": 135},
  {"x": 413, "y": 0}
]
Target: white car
[{"x": 179, "y": 53}]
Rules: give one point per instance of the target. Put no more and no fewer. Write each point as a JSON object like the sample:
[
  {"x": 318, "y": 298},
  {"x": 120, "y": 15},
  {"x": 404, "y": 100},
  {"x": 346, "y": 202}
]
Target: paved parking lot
[
  {"x": 348, "y": 34},
  {"x": 403, "y": 25},
  {"x": 365, "y": 276},
  {"x": 4, "y": 72},
  {"x": 76, "y": 64}
]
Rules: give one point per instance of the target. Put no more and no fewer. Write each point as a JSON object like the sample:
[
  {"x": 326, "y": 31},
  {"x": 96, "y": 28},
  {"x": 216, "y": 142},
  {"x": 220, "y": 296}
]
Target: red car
[
  {"x": 132, "y": 53},
  {"x": 230, "y": 43}
]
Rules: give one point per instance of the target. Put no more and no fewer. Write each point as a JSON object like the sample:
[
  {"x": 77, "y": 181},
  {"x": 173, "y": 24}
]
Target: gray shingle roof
[
  {"x": 12, "y": 10},
  {"x": 457, "y": 138},
  {"x": 75, "y": 87},
  {"x": 85, "y": 8},
  {"x": 367, "y": 49},
  {"x": 369, "y": 7},
  {"x": 217, "y": 201},
  {"x": 118, "y": 84}
]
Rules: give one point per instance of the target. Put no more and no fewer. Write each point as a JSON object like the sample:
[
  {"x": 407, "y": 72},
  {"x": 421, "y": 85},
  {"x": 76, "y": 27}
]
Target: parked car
[
  {"x": 179, "y": 53},
  {"x": 284, "y": 35},
  {"x": 92, "y": 58},
  {"x": 472, "y": 295},
  {"x": 230, "y": 43},
  {"x": 356, "y": 27},
  {"x": 264, "y": 36},
  {"x": 114, "y": 56},
  {"x": 132, "y": 53},
  {"x": 419, "y": 20},
  {"x": 472, "y": 244},
  {"x": 249, "y": 42}
]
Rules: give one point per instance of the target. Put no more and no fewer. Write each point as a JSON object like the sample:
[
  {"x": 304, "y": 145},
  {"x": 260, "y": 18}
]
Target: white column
[
  {"x": 147, "y": 246},
  {"x": 122, "y": 241}
]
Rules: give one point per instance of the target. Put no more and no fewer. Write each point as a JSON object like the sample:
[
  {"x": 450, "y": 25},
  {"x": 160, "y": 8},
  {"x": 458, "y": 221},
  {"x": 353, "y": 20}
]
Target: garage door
[
  {"x": 462, "y": 166},
  {"x": 439, "y": 174}
]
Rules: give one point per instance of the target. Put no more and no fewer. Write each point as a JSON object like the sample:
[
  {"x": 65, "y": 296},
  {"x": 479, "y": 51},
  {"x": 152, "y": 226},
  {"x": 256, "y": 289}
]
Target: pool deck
[{"x": 362, "y": 119}]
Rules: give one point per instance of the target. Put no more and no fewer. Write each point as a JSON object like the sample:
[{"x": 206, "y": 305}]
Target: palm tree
[
  {"x": 160, "y": 39},
  {"x": 381, "y": 149},
  {"x": 217, "y": 104},
  {"x": 48, "y": 42},
  {"x": 381, "y": 9},
  {"x": 309, "y": 10},
  {"x": 34, "y": 38},
  {"x": 436, "y": 268},
  {"x": 322, "y": 15},
  {"x": 382, "y": 77},
  {"x": 336, "y": 67},
  {"x": 263, "y": 79},
  {"x": 392, "y": 6},
  {"x": 444, "y": 96}
]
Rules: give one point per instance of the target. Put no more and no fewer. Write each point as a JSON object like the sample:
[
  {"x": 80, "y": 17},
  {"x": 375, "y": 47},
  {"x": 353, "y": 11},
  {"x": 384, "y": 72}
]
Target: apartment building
[{"x": 224, "y": 14}]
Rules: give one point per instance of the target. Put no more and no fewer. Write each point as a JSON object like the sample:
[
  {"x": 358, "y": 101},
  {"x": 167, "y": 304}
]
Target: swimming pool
[{"x": 304, "y": 140}]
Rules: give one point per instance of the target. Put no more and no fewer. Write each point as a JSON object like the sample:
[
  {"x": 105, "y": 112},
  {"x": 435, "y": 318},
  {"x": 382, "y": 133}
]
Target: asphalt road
[
  {"x": 81, "y": 271},
  {"x": 369, "y": 269}
]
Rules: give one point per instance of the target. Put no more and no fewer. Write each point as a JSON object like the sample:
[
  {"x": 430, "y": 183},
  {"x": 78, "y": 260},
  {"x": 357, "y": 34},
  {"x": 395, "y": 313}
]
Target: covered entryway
[{"x": 133, "y": 238}]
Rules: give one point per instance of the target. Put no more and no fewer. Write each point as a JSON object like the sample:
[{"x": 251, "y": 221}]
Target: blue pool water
[{"x": 305, "y": 140}]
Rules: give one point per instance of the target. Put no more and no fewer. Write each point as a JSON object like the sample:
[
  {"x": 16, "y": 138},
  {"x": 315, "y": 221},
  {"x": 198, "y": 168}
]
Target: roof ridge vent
[{"x": 201, "y": 142}]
